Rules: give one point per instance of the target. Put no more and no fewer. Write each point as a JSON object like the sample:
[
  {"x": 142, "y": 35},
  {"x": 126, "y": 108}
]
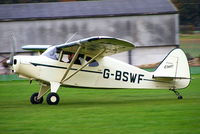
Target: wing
[
  {"x": 93, "y": 45},
  {"x": 90, "y": 46}
]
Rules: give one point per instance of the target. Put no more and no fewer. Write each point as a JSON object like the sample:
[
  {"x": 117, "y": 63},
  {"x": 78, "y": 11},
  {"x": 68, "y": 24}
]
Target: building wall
[
  {"x": 150, "y": 55},
  {"x": 150, "y": 30}
]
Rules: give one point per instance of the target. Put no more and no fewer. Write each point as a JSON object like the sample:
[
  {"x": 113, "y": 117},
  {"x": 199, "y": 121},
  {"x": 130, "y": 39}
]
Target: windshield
[{"x": 51, "y": 53}]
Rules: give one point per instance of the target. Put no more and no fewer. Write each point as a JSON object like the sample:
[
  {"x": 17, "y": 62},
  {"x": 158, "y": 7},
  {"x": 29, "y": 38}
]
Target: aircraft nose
[{"x": 16, "y": 61}]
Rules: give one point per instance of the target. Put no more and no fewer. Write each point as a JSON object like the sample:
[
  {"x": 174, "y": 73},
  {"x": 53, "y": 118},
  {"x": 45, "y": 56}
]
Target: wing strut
[
  {"x": 71, "y": 63},
  {"x": 83, "y": 66}
]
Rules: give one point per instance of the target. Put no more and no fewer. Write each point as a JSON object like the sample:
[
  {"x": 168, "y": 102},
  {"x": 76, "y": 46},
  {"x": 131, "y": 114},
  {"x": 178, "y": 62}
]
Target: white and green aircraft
[{"x": 95, "y": 69}]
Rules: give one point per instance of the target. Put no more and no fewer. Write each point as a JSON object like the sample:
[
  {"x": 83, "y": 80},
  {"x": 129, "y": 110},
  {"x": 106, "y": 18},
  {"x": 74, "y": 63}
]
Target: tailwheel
[
  {"x": 52, "y": 99},
  {"x": 35, "y": 100},
  {"x": 177, "y": 94},
  {"x": 180, "y": 97}
]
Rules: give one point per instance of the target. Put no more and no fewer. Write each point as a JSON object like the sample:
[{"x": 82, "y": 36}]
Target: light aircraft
[{"x": 96, "y": 69}]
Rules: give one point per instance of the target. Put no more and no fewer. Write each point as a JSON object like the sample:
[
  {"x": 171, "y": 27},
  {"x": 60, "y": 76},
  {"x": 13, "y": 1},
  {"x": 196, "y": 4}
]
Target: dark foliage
[{"x": 189, "y": 11}]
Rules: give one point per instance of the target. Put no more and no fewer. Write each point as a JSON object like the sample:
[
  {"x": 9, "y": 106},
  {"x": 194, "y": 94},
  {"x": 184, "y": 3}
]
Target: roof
[{"x": 80, "y": 9}]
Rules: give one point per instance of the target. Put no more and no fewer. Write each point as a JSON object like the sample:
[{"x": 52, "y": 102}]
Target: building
[{"x": 152, "y": 25}]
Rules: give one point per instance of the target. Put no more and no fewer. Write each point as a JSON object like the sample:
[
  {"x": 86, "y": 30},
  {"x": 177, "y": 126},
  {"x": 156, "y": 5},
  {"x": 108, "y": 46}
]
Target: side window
[
  {"x": 81, "y": 59},
  {"x": 92, "y": 64},
  {"x": 78, "y": 60},
  {"x": 64, "y": 58},
  {"x": 68, "y": 58}
]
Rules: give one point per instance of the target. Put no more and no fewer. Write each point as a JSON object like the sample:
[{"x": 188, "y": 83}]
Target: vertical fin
[{"x": 174, "y": 66}]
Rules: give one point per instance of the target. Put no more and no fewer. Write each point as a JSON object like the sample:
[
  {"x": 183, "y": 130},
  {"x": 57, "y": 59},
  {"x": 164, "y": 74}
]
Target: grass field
[
  {"x": 92, "y": 111},
  {"x": 190, "y": 43}
]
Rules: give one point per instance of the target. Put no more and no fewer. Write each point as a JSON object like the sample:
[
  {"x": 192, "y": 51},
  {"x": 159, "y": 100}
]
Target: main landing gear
[
  {"x": 34, "y": 99},
  {"x": 52, "y": 97},
  {"x": 177, "y": 94}
]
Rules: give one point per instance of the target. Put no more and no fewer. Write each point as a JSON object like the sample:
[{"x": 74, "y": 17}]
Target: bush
[{"x": 187, "y": 29}]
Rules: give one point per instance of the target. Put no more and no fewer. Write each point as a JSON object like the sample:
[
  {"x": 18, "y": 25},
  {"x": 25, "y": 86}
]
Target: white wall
[
  {"x": 150, "y": 55},
  {"x": 151, "y": 30}
]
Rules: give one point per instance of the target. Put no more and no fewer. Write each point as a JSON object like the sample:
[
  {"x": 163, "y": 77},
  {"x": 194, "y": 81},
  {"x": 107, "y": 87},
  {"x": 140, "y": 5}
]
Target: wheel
[
  {"x": 52, "y": 99},
  {"x": 180, "y": 97},
  {"x": 34, "y": 99}
]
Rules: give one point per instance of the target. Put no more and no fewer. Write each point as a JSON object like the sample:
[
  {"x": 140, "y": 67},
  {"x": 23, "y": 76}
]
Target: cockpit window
[
  {"x": 92, "y": 64},
  {"x": 51, "y": 53},
  {"x": 79, "y": 59}
]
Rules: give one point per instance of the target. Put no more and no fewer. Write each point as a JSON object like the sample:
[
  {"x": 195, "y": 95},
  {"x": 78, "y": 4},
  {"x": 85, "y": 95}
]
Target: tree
[{"x": 189, "y": 11}]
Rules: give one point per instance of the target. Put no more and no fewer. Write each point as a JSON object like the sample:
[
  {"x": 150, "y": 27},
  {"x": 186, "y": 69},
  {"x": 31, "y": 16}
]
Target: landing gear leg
[
  {"x": 53, "y": 98},
  {"x": 37, "y": 98},
  {"x": 177, "y": 94}
]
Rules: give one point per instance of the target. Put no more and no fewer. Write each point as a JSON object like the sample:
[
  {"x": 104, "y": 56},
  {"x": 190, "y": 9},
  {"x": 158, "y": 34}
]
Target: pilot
[{"x": 70, "y": 57}]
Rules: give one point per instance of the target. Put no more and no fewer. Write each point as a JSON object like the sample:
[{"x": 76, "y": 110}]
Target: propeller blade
[{"x": 12, "y": 52}]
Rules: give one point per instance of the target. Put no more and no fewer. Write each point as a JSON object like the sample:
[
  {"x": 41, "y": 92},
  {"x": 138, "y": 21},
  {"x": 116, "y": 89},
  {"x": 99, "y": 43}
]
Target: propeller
[{"x": 12, "y": 52}]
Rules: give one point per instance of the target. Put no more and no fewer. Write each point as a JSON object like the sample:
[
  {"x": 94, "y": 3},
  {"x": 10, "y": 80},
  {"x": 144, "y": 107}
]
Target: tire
[
  {"x": 180, "y": 97},
  {"x": 52, "y": 99},
  {"x": 34, "y": 100}
]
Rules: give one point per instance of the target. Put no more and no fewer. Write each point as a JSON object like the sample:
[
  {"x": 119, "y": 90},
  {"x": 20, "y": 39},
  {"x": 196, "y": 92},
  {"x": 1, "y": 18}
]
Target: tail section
[{"x": 174, "y": 66}]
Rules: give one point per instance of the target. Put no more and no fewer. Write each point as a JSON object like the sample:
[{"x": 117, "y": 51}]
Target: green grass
[
  {"x": 190, "y": 43},
  {"x": 189, "y": 36},
  {"x": 193, "y": 49},
  {"x": 92, "y": 111}
]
